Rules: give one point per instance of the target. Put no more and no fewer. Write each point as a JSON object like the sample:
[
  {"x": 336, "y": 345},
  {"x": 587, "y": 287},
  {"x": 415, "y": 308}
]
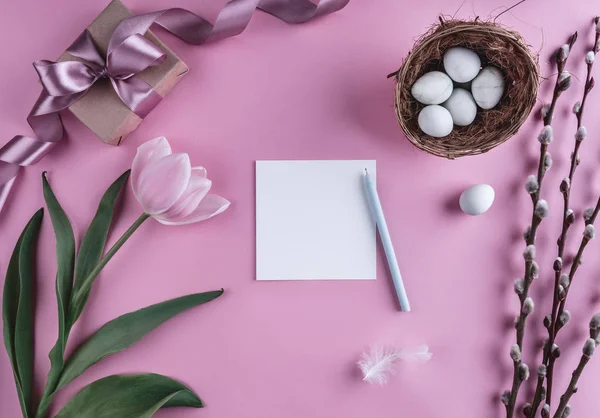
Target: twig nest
[{"x": 495, "y": 79}]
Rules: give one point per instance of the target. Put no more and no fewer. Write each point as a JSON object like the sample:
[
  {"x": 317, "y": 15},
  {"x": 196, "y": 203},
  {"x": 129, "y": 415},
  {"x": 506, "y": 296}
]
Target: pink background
[{"x": 315, "y": 91}]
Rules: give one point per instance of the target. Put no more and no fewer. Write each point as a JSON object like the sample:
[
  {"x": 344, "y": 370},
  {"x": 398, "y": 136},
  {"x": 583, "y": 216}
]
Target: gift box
[{"x": 101, "y": 109}]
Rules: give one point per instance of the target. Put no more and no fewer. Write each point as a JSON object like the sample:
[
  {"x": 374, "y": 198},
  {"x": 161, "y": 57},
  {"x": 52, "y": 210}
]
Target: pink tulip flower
[{"x": 169, "y": 189}]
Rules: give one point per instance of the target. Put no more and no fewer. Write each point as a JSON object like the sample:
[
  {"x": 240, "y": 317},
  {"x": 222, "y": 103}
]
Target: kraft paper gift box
[{"x": 101, "y": 109}]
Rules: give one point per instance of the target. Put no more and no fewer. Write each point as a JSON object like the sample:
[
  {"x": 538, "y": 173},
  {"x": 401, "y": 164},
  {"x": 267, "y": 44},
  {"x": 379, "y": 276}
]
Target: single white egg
[
  {"x": 461, "y": 64},
  {"x": 432, "y": 88},
  {"x": 477, "y": 199},
  {"x": 435, "y": 120},
  {"x": 488, "y": 87},
  {"x": 462, "y": 107}
]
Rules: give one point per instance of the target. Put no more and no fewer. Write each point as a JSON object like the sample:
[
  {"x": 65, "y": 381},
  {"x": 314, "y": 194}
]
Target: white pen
[{"x": 386, "y": 241}]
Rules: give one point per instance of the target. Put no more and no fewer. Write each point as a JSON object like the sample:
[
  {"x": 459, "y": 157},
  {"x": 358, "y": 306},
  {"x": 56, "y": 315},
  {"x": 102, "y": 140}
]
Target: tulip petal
[
  {"x": 199, "y": 171},
  {"x": 147, "y": 153},
  {"x": 190, "y": 199},
  {"x": 163, "y": 182},
  {"x": 210, "y": 206}
]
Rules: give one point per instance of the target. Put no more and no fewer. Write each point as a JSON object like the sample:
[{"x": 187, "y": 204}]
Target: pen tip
[{"x": 366, "y": 172}]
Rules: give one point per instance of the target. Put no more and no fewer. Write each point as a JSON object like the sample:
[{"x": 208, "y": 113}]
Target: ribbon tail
[
  {"x": 5, "y": 189},
  {"x": 231, "y": 21},
  {"x": 300, "y": 11},
  {"x": 8, "y": 175},
  {"x": 8, "y": 171},
  {"x": 137, "y": 95},
  {"x": 44, "y": 120},
  {"x": 193, "y": 29},
  {"x": 24, "y": 150}
]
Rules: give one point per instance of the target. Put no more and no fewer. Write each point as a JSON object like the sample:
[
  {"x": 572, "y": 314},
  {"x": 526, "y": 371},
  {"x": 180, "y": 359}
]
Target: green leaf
[
  {"x": 93, "y": 243},
  {"x": 122, "y": 332},
  {"x": 129, "y": 396},
  {"x": 17, "y": 310},
  {"x": 65, "y": 258}
]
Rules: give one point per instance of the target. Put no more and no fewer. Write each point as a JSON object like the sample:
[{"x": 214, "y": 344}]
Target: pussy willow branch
[
  {"x": 550, "y": 352},
  {"x": 521, "y": 320},
  {"x": 564, "y": 409},
  {"x": 563, "y": 299},
  {"x": 564, "y": 399}
]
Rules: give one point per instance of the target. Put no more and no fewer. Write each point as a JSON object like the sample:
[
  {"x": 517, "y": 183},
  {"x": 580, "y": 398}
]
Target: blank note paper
[{"x": 313, "y": 221}]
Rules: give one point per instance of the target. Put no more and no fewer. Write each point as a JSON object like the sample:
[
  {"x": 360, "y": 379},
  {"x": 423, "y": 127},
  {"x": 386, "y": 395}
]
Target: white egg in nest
[
  {"x": 462, "y": 107},
  {"x": 488, "y": 87},
  {"x": 435, "y": 120},
  {"x": 461, "y": 64},
  {"x": 432, "y": 88}
]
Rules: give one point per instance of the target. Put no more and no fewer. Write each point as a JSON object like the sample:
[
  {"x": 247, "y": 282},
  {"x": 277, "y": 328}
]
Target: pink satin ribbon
[{"x": 128, "y": 54}]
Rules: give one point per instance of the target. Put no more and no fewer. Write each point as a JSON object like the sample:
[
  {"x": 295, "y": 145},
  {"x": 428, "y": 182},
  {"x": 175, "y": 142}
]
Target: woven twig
[{"x": 495, "y": 45}]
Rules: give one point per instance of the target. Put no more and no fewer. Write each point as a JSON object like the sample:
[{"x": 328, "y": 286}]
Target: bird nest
[{"x": 495, "y": 45}]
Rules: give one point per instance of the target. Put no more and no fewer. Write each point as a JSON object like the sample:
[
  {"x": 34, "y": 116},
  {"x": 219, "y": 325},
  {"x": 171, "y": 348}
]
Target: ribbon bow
[
  {"x": 66, "y": 82},
  {"x": 128, "y": 54}
]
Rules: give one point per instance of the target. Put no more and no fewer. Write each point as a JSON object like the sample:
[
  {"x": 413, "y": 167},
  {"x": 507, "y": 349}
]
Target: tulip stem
[{"x": 79, "y": 298}]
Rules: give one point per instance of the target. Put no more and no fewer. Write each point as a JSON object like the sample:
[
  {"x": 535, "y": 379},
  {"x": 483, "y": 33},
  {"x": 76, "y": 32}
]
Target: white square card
[{"x": 313, "y": 220}]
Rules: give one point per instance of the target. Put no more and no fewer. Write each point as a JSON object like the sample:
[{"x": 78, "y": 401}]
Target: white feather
[
  {"x": 419, "y": 354},
  {"x": 378, "y": 364}
]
